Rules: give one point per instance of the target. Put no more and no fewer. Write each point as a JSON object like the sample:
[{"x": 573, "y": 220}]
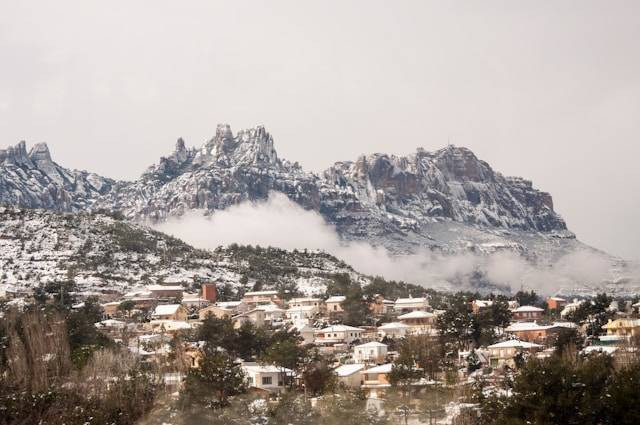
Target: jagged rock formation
[
  {"x": 399, "y": 202},
  {"x": 33, "y": 180}
]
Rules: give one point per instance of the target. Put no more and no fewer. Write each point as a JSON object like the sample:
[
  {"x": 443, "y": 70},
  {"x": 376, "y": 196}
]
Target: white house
[
  {"x": 503, "y": 353},
  {"x": 301, "y": 314},
  {"x": 170, "y": 312},
  {"x": 334, "y": 304},
  {"x": 393, "y": 330},
  {"x": 266, "y": 377},
  {"x": 272, "y": 312},
  {"x": 371, "y": 352},
  {"x": 350, "y": 375},
  {"x": 336, "y": 334},
  {"x": 317, "y": 303},
  {"x": 406, "y": 305},
  {"x": 307, "y": 333},
  {"x": 527, "y": 312},
  {"x": 418, "y": 321}
]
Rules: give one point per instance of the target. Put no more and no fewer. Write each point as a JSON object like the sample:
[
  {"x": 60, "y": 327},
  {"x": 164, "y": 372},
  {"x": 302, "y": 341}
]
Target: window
[
  {"x": 267, "y": 380},
  {"x": 335, "y": 307}
]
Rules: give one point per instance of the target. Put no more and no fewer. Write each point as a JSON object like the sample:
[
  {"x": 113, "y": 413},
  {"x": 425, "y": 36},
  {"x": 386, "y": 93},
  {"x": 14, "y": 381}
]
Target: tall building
[{"x": 209, "y": 292}]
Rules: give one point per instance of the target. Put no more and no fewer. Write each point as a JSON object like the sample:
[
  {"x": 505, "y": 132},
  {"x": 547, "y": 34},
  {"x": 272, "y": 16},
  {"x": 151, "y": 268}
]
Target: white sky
[{"x": 549, "y": 90}]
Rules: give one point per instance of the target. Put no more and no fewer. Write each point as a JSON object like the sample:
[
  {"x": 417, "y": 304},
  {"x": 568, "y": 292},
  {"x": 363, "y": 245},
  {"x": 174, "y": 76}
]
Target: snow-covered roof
[
  {"x": 514, "y": 343},
  {"x": 341, "y": 328},
  {"x": 260, "y": 293},
  {"x": 411, "y": 300},
  {"x": 258, "y": 368},
  {"x": 557, "y": 299},
  {"x": 228, "y": 304},
  {"x": 527, "y": 308},
  {"x": 166, "y": 309},
  {"x": 348, "y": 369},
  {"x": 568, "y": 325},
  {"x": 385, "y": 368},
  {"x": 483, "y": 303},
  {"x": 171, "y": 325},
  {"x": 526, "y": 326},
  {"x": 336, "y": 299},
  {"x": 303, "y": 300},
  {"x": 110, "y": 323},
  {"x": 416, "y": 315},
  {"x": 272, "y": 308},
  {"x": 302, "y": 308},
  {"x": 164, "y": 288},
  {"x": 393, "y": 325},
  {"x": 372, "y": 344}
]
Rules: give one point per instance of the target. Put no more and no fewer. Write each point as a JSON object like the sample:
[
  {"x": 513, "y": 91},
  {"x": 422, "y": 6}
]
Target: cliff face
[{"x": 389, "y": 200}]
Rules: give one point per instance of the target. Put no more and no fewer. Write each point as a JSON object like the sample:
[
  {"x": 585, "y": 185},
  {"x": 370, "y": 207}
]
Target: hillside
[{"x": 105, "y": 254}]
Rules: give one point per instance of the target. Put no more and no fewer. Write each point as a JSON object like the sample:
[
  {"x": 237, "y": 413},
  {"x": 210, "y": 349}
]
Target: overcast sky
[{"x": 548, "y": 90}]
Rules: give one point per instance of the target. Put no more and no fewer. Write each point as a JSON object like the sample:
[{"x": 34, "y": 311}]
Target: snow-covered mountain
[
  {"x": 448, "y": 200},
  {"x": 104, "y": 254}
]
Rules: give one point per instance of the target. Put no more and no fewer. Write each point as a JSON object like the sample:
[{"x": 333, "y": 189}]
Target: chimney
[{"x": 209, "y": 292}]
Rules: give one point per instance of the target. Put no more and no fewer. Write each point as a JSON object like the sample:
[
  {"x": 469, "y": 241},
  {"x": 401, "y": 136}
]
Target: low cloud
[{"x": 281, "y": 223}]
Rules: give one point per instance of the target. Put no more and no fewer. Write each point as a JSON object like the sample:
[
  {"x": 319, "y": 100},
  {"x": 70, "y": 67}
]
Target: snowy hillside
[{"x": 104, "y": 254}]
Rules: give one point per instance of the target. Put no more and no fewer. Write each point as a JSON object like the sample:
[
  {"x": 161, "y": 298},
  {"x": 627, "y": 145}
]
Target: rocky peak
[
  {"x": 180, "y": 154},
  {"x": 459, "y": 163},
  {"x": 39, "y": 153},
  {"x": 16, "y": 155}
]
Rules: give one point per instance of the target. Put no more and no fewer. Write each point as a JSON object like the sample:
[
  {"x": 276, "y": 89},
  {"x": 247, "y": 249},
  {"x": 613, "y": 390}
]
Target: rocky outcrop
[{"x": 390, "y": 200}]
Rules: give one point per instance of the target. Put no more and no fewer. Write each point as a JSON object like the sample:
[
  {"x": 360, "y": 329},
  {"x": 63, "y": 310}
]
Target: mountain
[
  {"x": 448, "y": 201},
  {"x": 104, "y": 254},
  {"x": 32, "y": 180}
]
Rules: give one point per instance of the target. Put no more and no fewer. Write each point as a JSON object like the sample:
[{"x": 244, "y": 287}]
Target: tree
[
  {"x": 568, "y": 340},
  {"x": 216, "y": 379},
  {"x": 473, "y": 362},
  {"x": 527, "y": 298},
  {"x": 126, "y": 307}
]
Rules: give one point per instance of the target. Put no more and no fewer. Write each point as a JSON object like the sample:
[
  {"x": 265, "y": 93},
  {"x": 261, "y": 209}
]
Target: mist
[{"x": 281, "y": 223}]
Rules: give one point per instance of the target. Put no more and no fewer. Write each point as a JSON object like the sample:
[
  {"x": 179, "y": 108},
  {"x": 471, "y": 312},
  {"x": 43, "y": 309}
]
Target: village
[{"x": 365, "y": 356}]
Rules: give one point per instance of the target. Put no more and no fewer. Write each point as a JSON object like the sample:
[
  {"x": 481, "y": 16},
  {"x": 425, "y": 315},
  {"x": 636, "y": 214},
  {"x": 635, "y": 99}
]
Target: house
[
  {"x": 165, "y": 291},
  {"x": 170, "y": 312},
  {"x": 266, "y": 377},
  {"x": 255, "y": 316},
  {"x": 334, "y": 304},
  {"x": 168, "y": 326},
  {"x": 527, "y": 312},
  {"x": 236, "y": 306},
  {"x": 110, "y": 309},
  {"x": 256, "y": 298},
  {"x": 306, "y": 332},
  {"x": 215, "y": 311},
  {"x": 627, "y": 328},
  {"x": 316, "y": 303},
  {"x": 419, "y": 321},
  {"x": 503, "y": 353},
  {"x": 303, "y": 314},
  {"x": 478, "y": 305},
  {"x": 272, "y": 312},
  {"x": 393, "y": 330},
  {"x": 407, "y": 305},
  {"x": 556, "y": 303},
  {"x": 379, "y": 306},
  {"x": 193, "y": 300},
  {"x": 376, "y": 379},
  {"x": 337, "y": 334},
  {"x": 111, "y": 324},
  {"x": 350, "y": 375},
  {"x": 371, "y": 352},
  {"x": 531, "y": 331}
]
